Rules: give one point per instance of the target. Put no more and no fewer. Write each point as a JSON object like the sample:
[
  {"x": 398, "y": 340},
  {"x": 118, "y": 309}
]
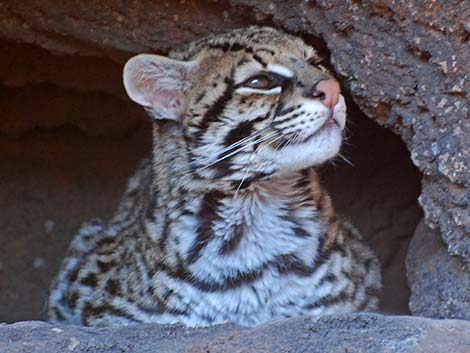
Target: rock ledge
[{"x": 372, "y": 333}]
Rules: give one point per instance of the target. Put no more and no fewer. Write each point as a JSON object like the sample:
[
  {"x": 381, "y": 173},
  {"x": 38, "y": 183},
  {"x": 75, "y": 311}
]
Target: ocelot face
[{"x": 251, "y": 103}]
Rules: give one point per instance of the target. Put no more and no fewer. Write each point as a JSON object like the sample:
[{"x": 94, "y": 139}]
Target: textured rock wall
[{"x": 440, "y": 283}]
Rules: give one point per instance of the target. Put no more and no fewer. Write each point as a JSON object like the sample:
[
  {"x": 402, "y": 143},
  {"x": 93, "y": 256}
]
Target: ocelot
[{"x": 227, "y": 221}]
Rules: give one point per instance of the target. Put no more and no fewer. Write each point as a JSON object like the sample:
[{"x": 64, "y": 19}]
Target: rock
[
  {"x": 353, "y": 333},
  {"x": 440, "y": 283}
]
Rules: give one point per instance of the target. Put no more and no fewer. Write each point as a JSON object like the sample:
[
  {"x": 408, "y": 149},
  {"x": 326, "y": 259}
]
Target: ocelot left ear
[{"x": 159, "y": 83}]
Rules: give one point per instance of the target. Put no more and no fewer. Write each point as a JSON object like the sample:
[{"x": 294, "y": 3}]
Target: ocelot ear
[{"x": 159, "y": 83}]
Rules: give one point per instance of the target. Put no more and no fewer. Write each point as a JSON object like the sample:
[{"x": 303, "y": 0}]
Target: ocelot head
[{"x": 250, "y": 103}]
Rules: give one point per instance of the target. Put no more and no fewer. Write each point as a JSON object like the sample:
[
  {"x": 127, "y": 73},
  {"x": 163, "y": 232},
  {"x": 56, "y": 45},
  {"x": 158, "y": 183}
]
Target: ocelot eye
[{"x": 261, "y": 82}]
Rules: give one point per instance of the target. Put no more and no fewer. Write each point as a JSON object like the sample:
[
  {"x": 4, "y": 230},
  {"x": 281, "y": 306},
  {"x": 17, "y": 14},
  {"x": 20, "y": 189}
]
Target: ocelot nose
[{"x": 327, "y": 91}]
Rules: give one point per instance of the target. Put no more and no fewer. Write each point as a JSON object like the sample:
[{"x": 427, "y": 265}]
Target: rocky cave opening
[{"x": 69, "y": 139}]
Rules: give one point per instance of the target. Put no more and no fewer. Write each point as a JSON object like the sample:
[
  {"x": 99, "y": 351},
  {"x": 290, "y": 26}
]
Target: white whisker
[
  {"x": 233, "y": 145},
  {"x": 251, "y": 162},
  {"x": 238, "y": 150},
  {"x": 346, "y": 160}
]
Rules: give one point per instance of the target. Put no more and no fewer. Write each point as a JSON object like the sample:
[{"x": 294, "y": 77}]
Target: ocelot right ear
[{"x": 159, "y": 83}]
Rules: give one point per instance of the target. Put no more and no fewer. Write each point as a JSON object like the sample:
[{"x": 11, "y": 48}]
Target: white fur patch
[
  {"x": 248, "y": 90},
  {"x": 280, "y": 70},
  {"x": 314, "y": 151}
]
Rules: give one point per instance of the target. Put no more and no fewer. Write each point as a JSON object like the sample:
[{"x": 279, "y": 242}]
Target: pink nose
[{"x": 327, "y": 91}]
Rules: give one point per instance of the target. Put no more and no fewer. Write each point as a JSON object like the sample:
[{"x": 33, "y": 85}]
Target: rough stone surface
[
  {"x": 366, "y": 333},
  {"x": 440, "y": 283}
]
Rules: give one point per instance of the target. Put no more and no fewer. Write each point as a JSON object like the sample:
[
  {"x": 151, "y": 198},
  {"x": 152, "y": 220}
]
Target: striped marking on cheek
[
  {"x": 242, "y": 130},
  {"x": 286, "y": 121},
  {"x": 214, "y": 112}
]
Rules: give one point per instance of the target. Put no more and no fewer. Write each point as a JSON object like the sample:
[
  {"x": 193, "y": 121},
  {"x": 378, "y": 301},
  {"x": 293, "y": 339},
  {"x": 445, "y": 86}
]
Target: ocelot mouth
[
  {"x": 330, "y": 121},
  {"x": 327, "y": 125}
]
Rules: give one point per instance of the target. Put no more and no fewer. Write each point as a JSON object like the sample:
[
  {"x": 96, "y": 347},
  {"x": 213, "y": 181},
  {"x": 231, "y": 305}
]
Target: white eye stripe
[
  {"x": 248, "y": 90},
  {"x": 280, "y": 70}
]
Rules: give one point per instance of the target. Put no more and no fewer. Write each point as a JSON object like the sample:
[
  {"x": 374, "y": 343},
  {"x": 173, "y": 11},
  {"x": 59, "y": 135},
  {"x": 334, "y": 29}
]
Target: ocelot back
[{"x": 227, "y": 221}]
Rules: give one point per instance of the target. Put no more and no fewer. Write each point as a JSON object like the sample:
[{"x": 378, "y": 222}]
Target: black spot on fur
[
  {"x": 105, "y": 241},
  {"x": 113, "y": 287},
  {"x": 105, "y": 266},
  {"x": 72, "y": 300},
  {"x": 300, "y": 232},
  {"x": 269, "y": 51},
  {"x": 74, "y": 274},
  {"x": 90, "y": 280}
]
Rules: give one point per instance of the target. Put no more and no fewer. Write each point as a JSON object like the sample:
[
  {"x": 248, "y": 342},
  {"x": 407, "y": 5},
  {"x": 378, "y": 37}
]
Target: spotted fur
[{"x": 227, "y": 221}]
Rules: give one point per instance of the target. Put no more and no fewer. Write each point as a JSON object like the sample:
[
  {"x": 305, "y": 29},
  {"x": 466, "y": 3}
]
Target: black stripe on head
[
  {"x": 225, "y": 47},
  {"x": 207, "y": 216},
  {"x": 215, "y": 111},
  {"x": 258, "y": 59},
  {"x": 269, "y": 51}
]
